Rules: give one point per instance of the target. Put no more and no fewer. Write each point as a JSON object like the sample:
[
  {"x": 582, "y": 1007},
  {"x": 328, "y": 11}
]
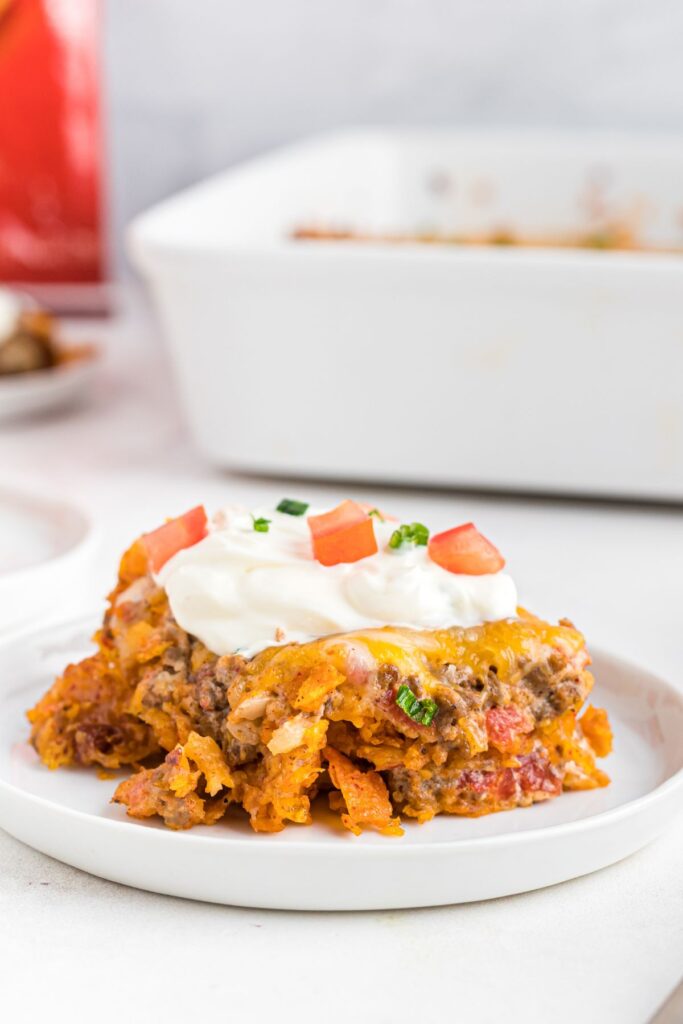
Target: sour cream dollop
[{"x": 243, "y": 590}]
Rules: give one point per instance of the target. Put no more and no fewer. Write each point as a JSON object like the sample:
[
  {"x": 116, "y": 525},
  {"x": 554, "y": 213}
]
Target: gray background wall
[{"x": 194, "y": 85}]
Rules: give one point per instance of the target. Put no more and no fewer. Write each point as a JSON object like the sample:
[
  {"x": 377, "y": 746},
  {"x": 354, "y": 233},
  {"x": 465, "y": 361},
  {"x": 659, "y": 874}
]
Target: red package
[{"x": 51, "y": 227}]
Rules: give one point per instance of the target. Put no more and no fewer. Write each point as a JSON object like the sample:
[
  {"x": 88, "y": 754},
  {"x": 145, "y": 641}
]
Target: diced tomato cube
[
  {"x": 346, "y": 534},
  {"x": 506, "y": 784},
  {"x": 499, "y": 785},
  {"x": 173, "y": 536},
  {"x": 476, "y": 781},
  {"x": 504, "y": 725},
  {"x": 537, "y": 775},
  {"x": 464, "y": 550}
]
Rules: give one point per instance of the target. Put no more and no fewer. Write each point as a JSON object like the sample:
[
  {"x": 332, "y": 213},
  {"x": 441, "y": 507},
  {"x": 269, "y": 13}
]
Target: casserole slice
[{"x": 384, "y": 721}]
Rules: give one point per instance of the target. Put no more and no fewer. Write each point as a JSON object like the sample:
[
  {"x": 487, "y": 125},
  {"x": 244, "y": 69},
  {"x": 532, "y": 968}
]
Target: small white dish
[
  {"x": 45, "y": 550},
  {"x": 67, "y": 814},
  {"x": 42, "y": 391}
]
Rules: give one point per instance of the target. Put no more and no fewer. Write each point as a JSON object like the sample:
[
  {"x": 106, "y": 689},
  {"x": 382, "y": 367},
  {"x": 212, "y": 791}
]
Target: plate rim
[
  {"x": 594, "y": 822},
  {"x": 88, "y": 535}
]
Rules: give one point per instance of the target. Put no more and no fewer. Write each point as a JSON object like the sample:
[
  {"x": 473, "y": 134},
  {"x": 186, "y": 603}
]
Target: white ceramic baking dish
[{"x": 535, "y": 369}]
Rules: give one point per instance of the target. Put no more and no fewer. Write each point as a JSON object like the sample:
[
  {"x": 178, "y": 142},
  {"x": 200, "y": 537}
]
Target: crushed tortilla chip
[
  {"x": 595, "y": 726},
  {"x": 171, "y": 789},
  {"x": 317, "y": 686},
  {"x": 365, "y": 796}
]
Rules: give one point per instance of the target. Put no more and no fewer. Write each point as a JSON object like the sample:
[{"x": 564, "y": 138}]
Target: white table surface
[{"x": 605, "y": 948}]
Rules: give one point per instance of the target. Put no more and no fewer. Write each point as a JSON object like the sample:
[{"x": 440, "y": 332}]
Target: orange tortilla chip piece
[
  {"x": 365, "y": 795},
  {"x": 597, "y": 730},
  {"x": 279, "y": 788},
  {"x": 147, "y": 794},
  {"x": 208, "y": 757},
  {"x": 565, "y": 744},
  {"x": 132, "y": 566},
  {"x": 170, "y": 790},
  {"x": 474, "y": 728},
  {"x": 162, "y": 724},
  {"x": 83, "y": 719},
  {"x": 317, "y": 686}
]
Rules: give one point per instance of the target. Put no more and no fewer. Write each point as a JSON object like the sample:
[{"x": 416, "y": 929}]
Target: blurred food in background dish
[
  {"x": 39, "y": 371},
  {"x": 28, "y": 339},
  {"x": 608, "y": 236}
]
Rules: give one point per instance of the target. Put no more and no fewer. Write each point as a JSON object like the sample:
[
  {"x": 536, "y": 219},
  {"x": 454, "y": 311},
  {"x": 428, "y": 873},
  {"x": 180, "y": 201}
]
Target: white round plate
[
  {"x": 67, "y": 814},
  {"x": 45, "y": 551},
  {"x": 25, "y": 394}
]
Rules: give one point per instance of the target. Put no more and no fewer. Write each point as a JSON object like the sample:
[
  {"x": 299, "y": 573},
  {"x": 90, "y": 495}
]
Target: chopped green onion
[
  {"x": 429, "y": 709},
  {"x": 292, "y": 508},
  {"x": 377, "y": 514},
  {"x": 409, "y": 533},
  {"x": 421, "y": 711},
  {"x": 406, "y": 700},
  {"x": 261, "y": 525}
]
